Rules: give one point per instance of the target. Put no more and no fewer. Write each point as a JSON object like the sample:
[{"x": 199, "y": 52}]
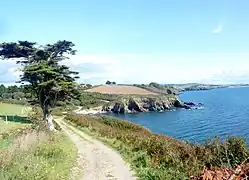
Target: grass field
[
  {"x": 15, "y": 117},
  {"x": 13, "y": 110},
  {"x": 120, "y": 90}
]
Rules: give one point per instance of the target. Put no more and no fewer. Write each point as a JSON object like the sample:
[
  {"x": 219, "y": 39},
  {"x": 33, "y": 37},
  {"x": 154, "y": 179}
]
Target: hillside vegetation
[
  {"x": 14, "y": 94},
  {"x": 159, "y": 157},
  {"x": 158, "y": 88}
]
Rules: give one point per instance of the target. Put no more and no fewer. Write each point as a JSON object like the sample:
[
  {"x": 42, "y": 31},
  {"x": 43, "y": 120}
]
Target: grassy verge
[
  {"x": 29, "y": 151},
  {"x": 10, "y": 126},
  {"x": 10, "y": 130},
  {"x": 17, "y": 122},
  {"x": 156, "y": 157},
  {"x": 38, "y": 156},
  {"x": 8, "y": 136}
]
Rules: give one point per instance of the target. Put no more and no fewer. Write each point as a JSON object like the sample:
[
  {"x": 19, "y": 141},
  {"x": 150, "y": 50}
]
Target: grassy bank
[
  {"x": 13, "y": 122},
  {"x": 155, "y": 156},
  {"x": 11, "y": 131},
  {"x": 11, "y": 126},
  {"x": 38, "y": 156},
  {"x": 29, "y": 151}
]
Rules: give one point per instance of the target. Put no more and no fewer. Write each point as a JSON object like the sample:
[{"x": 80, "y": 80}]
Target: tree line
[{"x": 14, "y": 92}]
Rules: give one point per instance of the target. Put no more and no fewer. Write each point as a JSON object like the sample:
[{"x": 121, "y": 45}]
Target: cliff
[{"x": 134, "y": 104}]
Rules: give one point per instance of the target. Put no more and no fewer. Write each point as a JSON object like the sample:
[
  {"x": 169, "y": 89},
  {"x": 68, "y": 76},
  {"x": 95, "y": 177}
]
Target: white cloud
[
  {"x": 218, "y": 29},
  {"x": 162, "y": 68},
  {"x": 144, "y": 68},
  {"x": 8, "y": 72},
  {"x": 96, "y": 68},
  {"x": 15, "y": 72}
]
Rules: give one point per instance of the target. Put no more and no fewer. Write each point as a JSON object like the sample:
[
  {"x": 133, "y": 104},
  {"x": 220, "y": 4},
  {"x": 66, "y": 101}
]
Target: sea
[{"x": 225, "y": 113}]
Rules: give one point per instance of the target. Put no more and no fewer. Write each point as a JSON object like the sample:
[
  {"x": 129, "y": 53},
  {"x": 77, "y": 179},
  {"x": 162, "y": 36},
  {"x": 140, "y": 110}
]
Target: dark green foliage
[
  {"x": 14, "y": 94},
  {"x": 23, "y": 95},
  {"x": 61, "y": 103},
  {"x": 158, "y": 88},
  {"x": 15, "y": 101},
  {"x": 108, "y": 82},
  {"x": 161, "y": 157},
  {"x": 90, "y": 99},
  {"x": 2, "y": 90},
  {"x": 48, "y": 80},
  {"x": 229, "y": 153},
  {"x": 17, "y": 50}
]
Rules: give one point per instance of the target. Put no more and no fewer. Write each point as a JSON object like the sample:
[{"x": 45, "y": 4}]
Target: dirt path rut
[{"x": 97, "y": 161}]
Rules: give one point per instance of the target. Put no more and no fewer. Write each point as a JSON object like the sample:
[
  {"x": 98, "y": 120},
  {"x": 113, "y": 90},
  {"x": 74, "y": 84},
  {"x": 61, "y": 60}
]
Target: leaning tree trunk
[
  {"x": 48, "y": 117},
  {"x": 44, "y": 102}
]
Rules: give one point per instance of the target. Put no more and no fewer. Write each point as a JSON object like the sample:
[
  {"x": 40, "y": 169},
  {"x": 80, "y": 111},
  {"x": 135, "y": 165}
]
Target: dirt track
[{"x": 97, "y": 161}]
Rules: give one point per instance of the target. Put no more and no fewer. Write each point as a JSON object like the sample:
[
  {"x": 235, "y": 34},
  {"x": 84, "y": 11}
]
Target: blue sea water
[{"x": 225, "y": 113}]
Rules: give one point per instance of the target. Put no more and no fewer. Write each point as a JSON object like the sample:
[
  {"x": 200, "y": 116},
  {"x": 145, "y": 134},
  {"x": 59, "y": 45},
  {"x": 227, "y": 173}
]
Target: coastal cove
[{"x": 225, "y": 113}]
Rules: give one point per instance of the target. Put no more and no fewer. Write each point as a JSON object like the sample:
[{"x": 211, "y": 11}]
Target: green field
[
  {"x": 15, "y": 116},
  {"x": 9, "y": 126},
  {"x": 13, "y": 110}
]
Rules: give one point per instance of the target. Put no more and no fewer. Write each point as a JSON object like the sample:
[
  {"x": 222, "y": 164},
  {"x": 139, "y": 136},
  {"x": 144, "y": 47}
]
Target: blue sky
[{"x": 137, "y": 41}]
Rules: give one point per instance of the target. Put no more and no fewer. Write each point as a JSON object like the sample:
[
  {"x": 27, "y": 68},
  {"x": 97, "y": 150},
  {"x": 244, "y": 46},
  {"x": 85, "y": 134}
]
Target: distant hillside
[
  {"x": 158, "y": 88},
  {"x": 198, "y": 87},
  {"x": 120, "y": 89}
]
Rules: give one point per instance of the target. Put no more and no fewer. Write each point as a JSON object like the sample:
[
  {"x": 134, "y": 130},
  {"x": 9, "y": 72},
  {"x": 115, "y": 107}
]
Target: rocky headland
[
  {"x": 147, "y": 104},
  {"x": 122, "y": 99}
]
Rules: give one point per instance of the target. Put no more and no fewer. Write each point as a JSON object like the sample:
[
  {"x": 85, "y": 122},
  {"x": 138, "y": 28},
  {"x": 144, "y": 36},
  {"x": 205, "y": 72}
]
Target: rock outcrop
[
  {"x": 146, "y": 104},
  {"x": 118, "y": 108}
]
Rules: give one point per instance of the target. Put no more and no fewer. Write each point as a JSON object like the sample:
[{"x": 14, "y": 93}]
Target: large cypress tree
[{"x": 41, "y": 67}]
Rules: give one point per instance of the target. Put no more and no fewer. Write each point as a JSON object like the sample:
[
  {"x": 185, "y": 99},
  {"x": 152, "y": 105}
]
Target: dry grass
[
  {"x": 12, "y": 132},
  {"x": 19, "y": 145},
  {"x": 10, "y": 126},
  {"x": 120, "y": 90}
]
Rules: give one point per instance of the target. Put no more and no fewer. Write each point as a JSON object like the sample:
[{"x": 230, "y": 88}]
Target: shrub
[
  {"x": 61, "y": 103},
  {"x": 15, "y": 101},
  {"x": 226, "y": 154}
]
